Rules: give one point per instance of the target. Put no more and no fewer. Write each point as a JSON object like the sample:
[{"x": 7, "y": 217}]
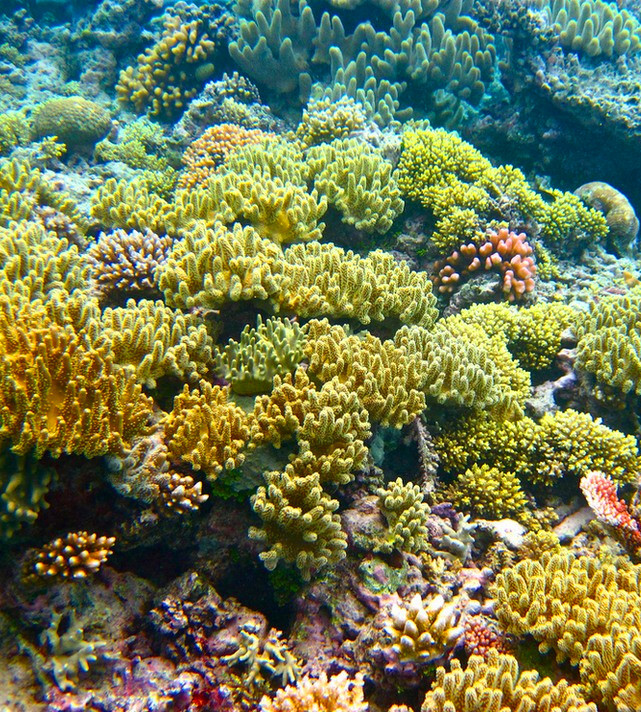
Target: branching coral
[
  {"x": 170, "y": 73},
  {"x": 358, "y": 181},
  {"x": 339, "y": 693},
  {"x": 127, "y": 261},
  {"x": 406, "y": 514},
  {"x": 299, "y": 522},
  {"x": 59, "y": 395},
  {"x": 610, "y": 344},
  {"x": 565, "y": 443},
  {"x": 207, "y": 152},
  {"x": 151, "y": 339},
  {"x": 507, "y": 252},
  {"x": 325, "y": 120},
  {"x": 206, "y": 429},
  {"x": 496, "y": 683},
  {"x": 74, "y": 556},
  {"x": 274, "y": 347}
]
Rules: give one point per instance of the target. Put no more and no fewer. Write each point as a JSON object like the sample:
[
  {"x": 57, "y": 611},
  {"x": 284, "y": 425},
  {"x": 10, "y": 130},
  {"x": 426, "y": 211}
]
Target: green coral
[
  {"x": 568, "y": 221},
  {"x": 274, "y": 347},
  {"x": 15, "y": 130},
  {"x": 325, "y": 120}
]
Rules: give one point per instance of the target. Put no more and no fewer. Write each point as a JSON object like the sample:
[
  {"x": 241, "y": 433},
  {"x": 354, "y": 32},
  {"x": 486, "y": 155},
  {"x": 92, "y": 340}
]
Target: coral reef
[
  {"x": 339, "y": 693},
  {"x": 73, "y": 120}
]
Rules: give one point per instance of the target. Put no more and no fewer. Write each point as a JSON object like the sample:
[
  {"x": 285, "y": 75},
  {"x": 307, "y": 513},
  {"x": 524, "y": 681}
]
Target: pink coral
[
  {"x": 504, "y": 251},
  {"x": 601, "y": 494}
]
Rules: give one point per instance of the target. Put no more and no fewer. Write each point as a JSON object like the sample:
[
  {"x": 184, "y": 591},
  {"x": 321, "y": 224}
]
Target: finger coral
[
  {"x": 406, "y": 513},
  {"x": 74, "y": 556},
  {"x": 497, "y": 683},
  {"x": 325, "y": 120},
  {"x": 507, "y": 252}
]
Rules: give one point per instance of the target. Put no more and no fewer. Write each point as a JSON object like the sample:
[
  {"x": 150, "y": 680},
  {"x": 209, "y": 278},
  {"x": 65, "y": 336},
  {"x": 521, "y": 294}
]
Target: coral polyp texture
[{"x": 320, "y": 316}]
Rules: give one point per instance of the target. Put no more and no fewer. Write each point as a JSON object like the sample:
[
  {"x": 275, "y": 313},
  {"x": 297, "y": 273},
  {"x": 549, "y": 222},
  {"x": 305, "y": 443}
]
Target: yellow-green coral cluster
[
  {"x": 325, "y": 120},
  {"x": 610, "y": 343},
  {"x": 496, "y": 683},
  {"x": 274, "y": 347},
  {"x": 406, "y": 513},
  {"x": 588, "y": 611},
  {"x": 564, "y": 443},
  {"x": 464, "y": 191},
  {"x": 71, "y": 119}
]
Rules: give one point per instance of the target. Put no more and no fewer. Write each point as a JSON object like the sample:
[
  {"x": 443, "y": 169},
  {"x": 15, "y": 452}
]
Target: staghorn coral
[
  {"x": 206, "y": 430},
  {"x": 623, "y": 224},
  {"x": 210, "y": 150},
  {"x": 338, "y": 693},
  {"x": 507, "y": 252},
  {"x": 358, "y": 181},
  {"x": 329, "y": 423},
  {"x": 497, "y": 683},
  {"x": 152, "y": 339},
  {"x": 406, "y": 514},
  {"x": 299, "y": 522},
  {"x": 325, "y": 120},
  {"x": 424, "y": 630},
  {"x": 562, "y": 444},
  {"x": 74, "y": 556},
  {"x": 209, "y": 267},
  {"x": 58, "y": 395},
  {"x": 127, "y": 261},
  {"x": 171, "y": 72},
  {"x": 71, "y": 119},
  {"x": 263, "y": 654},
  {"x": 610, "y": 344},
  {"x": 562, "y": 600},
  {"x": 274, "y": 347}
]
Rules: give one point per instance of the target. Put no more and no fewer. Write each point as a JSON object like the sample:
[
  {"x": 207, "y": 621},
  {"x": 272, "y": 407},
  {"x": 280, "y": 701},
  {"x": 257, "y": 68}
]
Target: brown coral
[{"x": 74, "y": 556}]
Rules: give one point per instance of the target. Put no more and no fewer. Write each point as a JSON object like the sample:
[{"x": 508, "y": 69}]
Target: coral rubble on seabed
[{"x": 320, "y": 356}]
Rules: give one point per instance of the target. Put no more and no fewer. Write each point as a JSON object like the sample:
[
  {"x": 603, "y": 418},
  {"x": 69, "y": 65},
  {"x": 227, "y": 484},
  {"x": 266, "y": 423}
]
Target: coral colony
[{"x": 320, "y": 356}]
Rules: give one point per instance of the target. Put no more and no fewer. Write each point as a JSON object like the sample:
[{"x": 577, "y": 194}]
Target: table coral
[
  {"x": 497, "y": 683},
  {"x": 206, "y": 429},
  {"x": 299, "y": 522},
  {"x": 507, "y": 252}
]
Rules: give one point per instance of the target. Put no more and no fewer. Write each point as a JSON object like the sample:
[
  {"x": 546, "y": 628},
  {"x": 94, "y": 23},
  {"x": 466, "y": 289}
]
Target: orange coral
[
  {"x": 206, "y": 153},
  {"x": 505, "y": 251},
  {"x": 74, "y": 556}
]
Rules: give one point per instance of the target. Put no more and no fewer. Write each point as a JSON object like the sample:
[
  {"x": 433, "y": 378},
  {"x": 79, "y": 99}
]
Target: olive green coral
[
  {"x": 406, "y": 514},
  {"x": 274, "y": 347},
  {"x": 299, "y": 522},
  {"x": 73, "y": 120}
]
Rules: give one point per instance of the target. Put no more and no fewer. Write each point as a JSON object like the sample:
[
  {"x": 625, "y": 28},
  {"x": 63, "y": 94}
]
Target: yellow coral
[
  {"x": 206, "y": 429},
  {"x": 402, "y": 505},
  {"x": 496, "y": 683},
  {"x": 74, "y": 556},
  {"x": 339, "y": 693}
]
